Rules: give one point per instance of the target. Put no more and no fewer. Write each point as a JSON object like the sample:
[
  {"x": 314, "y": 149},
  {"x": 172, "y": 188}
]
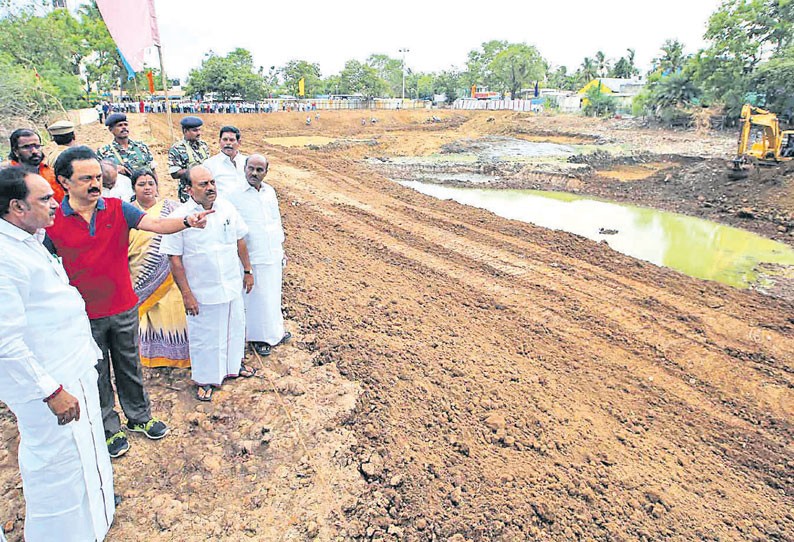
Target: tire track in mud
[
  {"x": 489, "y": 257},
  {"x": 660, "y": 400},
  {"x": 625, "y": 339},
  {"x": 674, "y": 320},
  {"x": 388, "y": 233}
]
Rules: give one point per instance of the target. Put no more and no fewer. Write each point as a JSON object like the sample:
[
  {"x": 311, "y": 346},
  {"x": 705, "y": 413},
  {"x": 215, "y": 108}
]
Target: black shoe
[
  {"x": 263, "y": 349},
  {"x": 118, "y": 445},
  {"x": 154, "y": 428}
]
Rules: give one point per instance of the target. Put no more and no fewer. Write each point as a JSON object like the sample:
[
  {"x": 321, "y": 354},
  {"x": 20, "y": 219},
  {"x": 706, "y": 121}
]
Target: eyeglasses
[{"x": 30, "y": 147}]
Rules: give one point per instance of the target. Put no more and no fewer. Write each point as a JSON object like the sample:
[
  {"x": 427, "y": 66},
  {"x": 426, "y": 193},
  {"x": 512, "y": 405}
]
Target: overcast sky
[{"x": 438, "y": 34}]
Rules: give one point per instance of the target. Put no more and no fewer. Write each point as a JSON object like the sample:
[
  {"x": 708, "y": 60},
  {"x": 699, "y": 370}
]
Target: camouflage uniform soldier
[
  {"x": 190, "y": 151},
  {"x": 126, "y": 153}
]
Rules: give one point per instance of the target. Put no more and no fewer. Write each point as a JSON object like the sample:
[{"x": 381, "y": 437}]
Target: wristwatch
[
  {"x": 248, "y": 271},
  {"x": 187, "y": 224}
]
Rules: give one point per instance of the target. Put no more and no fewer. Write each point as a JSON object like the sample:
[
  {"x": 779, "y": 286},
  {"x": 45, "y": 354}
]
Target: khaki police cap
[{"x": 62, "y": 127}]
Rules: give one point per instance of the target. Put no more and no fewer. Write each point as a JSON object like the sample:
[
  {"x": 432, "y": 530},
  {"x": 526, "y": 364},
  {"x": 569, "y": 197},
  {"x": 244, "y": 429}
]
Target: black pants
[{"x": 117, "y": 337}]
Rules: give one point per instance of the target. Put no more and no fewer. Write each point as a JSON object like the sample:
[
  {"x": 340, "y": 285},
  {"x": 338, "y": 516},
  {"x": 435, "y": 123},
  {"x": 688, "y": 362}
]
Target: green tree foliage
[
  {"x": 53, "y": 42},
  {"x": 478, "y": 66},
  {"x": 667, "y": 97},
  {"x": 625, "y": 68},
  {"x": 742, "y": 35},
  {"x": 448, "y": 83},
  {"x": 361, "y": 78},
  {"x": 599, "y": 104},
  {"x": 23, "y": 96},
  {"x": 676, "y": 90},
  {"x": 601, "y": 64},
  {"x": 588, "y": 70},
  {"x": 671, "y": 59},
  {"x": 419, "y": 85},
  {"x": 27, "y": 42},
  {"x": 773, "y": 80},
  {"x": 228, "y": 76},
  {"x": 515, "y": 67},
  {"x": 559, "y": 78},
  {"x": 390, "y": 70},
  {"x": 294, "y": 70}
]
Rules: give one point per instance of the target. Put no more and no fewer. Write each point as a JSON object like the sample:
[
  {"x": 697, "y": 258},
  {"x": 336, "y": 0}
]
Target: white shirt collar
[
  {"x": 197, "y": 207},
  {"x": 236, "y": 157},
  {"x": 15, "y": 232}
]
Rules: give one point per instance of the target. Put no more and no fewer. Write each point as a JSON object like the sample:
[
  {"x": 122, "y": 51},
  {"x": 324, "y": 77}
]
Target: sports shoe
[
  {"x": 118, "y": 445},
  {"x": 154, "y": 428}
]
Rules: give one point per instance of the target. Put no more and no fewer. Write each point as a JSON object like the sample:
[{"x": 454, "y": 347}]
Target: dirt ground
[{"x": 458, "y": 376}]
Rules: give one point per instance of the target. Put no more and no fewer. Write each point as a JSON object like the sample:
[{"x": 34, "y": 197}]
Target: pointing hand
[{"x": 199, "y": 220}]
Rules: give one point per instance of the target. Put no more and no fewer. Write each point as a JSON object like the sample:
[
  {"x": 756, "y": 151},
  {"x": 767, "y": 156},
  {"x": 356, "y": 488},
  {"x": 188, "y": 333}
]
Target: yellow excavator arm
[{"x": 760, "y": 137}]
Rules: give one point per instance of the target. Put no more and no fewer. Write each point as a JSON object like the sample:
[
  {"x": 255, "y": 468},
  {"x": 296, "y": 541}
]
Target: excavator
[{"x": 761, "y": 141}]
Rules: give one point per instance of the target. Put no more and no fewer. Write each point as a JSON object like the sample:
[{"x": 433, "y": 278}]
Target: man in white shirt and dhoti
[
  {"x": 206, "y": 267},
  {"x": 258, "y": 205},
  {"x": 227, "y": 167},
  {"x": 47, "y": 375}
]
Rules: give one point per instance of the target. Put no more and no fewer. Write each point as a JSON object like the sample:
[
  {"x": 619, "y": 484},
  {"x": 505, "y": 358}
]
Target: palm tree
[
  {"x": 672, "y": 58},
  {"x": 589, "y": 70},
  {"x": 602, "y": 66}
]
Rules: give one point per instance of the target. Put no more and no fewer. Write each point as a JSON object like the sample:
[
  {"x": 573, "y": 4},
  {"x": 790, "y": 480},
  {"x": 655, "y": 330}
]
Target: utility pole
[{"x": 403, "y": 51}]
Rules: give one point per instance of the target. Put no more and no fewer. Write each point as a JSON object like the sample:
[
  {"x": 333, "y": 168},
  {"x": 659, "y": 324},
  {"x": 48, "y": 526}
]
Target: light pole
[{"x": 403, "y": 51}]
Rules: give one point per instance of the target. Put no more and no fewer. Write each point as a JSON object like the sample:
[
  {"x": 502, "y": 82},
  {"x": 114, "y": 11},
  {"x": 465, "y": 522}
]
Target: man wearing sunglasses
[{"x": 26, "y": 151}]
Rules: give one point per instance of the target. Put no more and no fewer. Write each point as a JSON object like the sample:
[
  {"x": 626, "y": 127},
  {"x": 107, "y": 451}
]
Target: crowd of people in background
[
  {"x": 200, "y": 107},
  {"x": 124, "y": 278}
]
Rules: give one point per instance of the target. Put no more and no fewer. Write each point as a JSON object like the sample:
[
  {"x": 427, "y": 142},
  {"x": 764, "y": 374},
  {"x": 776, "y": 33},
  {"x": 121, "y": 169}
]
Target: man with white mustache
[
  {"x": 49, "y": 384},
  {"x": 228, "y": 166},
  {"x": 258, "y": 205}
]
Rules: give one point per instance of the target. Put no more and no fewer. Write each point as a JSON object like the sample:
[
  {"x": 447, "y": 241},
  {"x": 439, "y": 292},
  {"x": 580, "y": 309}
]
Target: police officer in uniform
[
  {"x": 62, "y": 133},
  {"x": 126, "y": 153},
  {"x": 189, "y": 151}
]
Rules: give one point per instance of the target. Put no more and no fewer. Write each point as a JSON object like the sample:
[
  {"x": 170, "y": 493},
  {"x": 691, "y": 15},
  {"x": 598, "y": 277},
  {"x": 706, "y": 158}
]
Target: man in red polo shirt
[
  {"x": 91, "y": 235},
  {"x": 26, "y": 152}
]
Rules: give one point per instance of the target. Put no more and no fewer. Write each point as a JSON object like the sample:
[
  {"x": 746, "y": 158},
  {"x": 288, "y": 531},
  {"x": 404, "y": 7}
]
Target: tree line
[{"x": 53, "y": 59}]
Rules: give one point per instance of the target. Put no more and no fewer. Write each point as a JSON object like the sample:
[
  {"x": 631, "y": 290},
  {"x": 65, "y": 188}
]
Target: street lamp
[{"x": 403, "y": 51}]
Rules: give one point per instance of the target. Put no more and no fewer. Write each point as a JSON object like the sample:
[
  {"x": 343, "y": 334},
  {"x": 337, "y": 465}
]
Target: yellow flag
[{"x": 302, "y": 86}]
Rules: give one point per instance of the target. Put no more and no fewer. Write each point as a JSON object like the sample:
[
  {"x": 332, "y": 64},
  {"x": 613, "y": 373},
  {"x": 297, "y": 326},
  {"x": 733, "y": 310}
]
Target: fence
[
  {"x": 377, "y": 103},
  {"x": 494, "y": 105},
  {"x": 270, "y": 106}
]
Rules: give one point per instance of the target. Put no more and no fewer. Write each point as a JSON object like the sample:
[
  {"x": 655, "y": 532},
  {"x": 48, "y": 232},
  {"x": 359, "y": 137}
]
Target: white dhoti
[
  {"x": 263, "y": 319},
  {"x": 216, "y": 337},
  {"x": 66, "y": 474}
]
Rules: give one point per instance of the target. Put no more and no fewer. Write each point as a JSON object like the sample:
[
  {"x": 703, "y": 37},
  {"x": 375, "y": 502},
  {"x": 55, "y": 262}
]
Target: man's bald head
[
  {"x": 202, "y": 186},
  {"x": 256, "y": 167},
  {"x": 257, "y": 157},
  {"x": 110, "y": 173},
  {"x": 197, "y": 172}
]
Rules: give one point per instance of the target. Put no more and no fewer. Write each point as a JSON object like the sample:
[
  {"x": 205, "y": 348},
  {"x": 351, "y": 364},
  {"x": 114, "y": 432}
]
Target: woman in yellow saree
[{"x": 163, "y": 328}]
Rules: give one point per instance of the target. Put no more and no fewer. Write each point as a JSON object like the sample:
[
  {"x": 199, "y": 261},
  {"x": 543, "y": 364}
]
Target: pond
[{"x": 693, "y": 246}]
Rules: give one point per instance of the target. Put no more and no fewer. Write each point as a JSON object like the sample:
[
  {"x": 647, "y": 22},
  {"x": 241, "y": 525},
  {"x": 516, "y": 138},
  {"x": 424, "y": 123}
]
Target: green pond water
[{"x": 696, "y": 247}]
